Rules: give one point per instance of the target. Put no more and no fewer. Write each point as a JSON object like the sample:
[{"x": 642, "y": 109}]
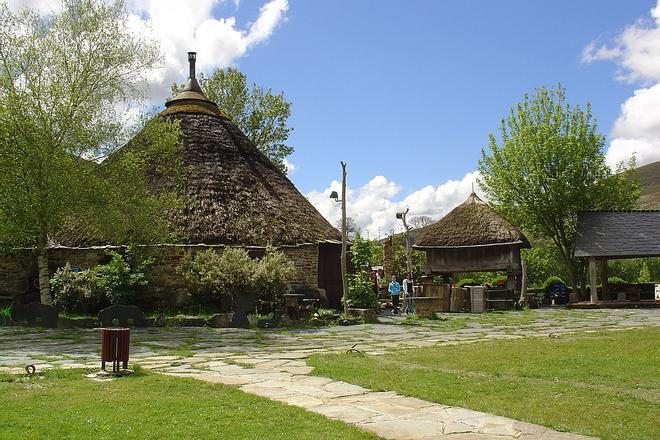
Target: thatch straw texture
[
  {"x": 235, "y": 195},
  {"x": 472, "y": 223}
]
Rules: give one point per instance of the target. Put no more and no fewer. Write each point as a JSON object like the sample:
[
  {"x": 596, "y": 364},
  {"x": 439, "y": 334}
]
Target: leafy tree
[
  {"x": 65, "y": 81},
  {"x": 352, "y": 228},
  {"x": 261, "y": 114},
  {"x": 550, "y": 164},
  {"x": 421, "y": 221},
  {"x": 361, "y": 253}
]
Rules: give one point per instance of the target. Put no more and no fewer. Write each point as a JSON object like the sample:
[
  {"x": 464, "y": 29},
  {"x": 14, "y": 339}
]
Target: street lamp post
[
  {"x": 344, "y": 240},
  {"x": 402, "y": 216}
]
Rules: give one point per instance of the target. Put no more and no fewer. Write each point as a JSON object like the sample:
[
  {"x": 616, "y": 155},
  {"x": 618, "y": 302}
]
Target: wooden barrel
[
  {"x": 457, "y": 301},
  {"x": 439, "y": 291},
  {"x": 444, "y": 296}
]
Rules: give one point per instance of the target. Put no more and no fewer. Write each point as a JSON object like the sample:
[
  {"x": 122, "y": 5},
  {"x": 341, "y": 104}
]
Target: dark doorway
[{"x": 329, "y": 273}]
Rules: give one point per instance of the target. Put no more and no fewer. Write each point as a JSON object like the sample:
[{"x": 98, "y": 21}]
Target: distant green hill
[{"x": 649, "y": 179}]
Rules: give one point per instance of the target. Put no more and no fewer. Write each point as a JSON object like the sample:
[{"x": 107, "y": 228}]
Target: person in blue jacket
[{"x": 394, "y": 288}]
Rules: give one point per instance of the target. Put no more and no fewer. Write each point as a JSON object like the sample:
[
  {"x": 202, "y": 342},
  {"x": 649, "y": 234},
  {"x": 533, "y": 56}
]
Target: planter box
[
  {"x": 185, "y": 321},
  {"x": 220, "y": 320},
  {"x": 365, "y": 315},
  {"x": 427, "y": 306}
]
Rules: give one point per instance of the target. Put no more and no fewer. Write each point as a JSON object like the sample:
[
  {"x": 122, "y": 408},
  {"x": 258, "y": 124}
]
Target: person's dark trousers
[{"x": 395, "y": 304}]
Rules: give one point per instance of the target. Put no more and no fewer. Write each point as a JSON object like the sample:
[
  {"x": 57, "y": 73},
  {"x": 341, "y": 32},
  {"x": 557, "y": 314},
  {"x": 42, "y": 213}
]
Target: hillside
[{"x": 649, "y": 179}]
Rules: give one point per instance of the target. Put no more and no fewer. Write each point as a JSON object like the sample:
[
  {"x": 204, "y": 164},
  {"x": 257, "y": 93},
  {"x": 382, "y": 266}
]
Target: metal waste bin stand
[{"x": 115, "y": 347}]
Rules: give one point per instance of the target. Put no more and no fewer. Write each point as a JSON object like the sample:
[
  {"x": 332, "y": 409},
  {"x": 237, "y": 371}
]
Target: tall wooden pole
[
  {"x": 592, "y": 280},
  {"x": 523, "y": 282},
  {"x": 344, "y": 239},
  {"x": 408, "y": 259}
]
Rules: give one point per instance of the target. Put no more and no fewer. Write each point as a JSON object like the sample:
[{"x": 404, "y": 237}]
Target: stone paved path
[{"x": 272, "y": 364}]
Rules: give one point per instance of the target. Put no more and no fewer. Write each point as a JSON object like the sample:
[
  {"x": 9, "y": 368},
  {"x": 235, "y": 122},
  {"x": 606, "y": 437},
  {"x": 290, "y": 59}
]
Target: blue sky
[{"x": 410, "y": 90}]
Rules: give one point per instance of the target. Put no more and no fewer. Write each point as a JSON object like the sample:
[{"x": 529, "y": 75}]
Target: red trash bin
[{"x": 115, "y": 347}]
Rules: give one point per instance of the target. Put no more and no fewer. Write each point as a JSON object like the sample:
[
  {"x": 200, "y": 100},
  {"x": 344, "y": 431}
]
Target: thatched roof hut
[
  {"x": 473, "y": 237},
  {"x": 473, "y": 223}
]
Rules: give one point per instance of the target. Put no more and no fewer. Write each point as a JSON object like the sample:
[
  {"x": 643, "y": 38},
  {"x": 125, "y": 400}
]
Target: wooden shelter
[
  {"x": 473, "y": 237},
  {"x": 605, "y": 235}
]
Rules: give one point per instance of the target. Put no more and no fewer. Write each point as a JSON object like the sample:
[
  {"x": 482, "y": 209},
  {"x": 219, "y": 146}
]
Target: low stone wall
[{"x": 18, "y": 272}]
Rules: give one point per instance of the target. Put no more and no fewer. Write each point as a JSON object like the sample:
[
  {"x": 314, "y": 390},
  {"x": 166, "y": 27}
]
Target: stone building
[{"x": 234, "y": 196}]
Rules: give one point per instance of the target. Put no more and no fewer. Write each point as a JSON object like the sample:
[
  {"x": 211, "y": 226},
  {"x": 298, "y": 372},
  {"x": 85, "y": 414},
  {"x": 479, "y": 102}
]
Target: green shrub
[
  {"x": 123, "y": 278},
  {"x": 201, "y": 275},
  {"x": 360, "y": 292},
  {"x": 551, "y": 280},
  {"x": 644, "y": 274},
  {"x": 467, "y": 282},
  {"x": 616, "y": 280},
  {"x": 237, "y": 272},
  {"x": 273, "y": 272},
  {"x": 5, "y": 315},
  {"x": 77, "y": 292}
]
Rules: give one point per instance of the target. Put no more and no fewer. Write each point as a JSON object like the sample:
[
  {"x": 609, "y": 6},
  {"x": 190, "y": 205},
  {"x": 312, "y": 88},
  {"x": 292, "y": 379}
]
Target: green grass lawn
[
  {"x": 65, "y": 405},
  {"x": 603, "y": 384}
]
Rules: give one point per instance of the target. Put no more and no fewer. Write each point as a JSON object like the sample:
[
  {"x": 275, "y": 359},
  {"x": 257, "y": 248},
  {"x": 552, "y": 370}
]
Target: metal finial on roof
[
  {"x": 192, "y": 56},
  {"x": 192, "y": 92}
]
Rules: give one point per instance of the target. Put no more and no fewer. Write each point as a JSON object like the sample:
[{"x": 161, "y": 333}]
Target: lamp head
[
  {"x": 334, "y": 195},
  {"x": 399, "y": 215}
]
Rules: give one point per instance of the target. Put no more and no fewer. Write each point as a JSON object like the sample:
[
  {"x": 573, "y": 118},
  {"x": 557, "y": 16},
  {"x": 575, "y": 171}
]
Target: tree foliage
[
  {"x": 548, "y": 165},
  {"x": 352, "y": 228},
  {"x": 66, "y": 82},
  {"x": 421, "y": 221},
  {"x": 261, "y": 114}
]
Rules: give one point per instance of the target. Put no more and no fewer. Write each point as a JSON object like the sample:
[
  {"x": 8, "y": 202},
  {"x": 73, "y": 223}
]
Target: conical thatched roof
[
  {"x": 233, "y": 193},
  {"x": 472, "y": 223}
]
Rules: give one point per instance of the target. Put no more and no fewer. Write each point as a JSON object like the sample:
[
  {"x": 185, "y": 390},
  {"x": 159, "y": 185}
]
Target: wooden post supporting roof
[{"x": 592, "y": 280}]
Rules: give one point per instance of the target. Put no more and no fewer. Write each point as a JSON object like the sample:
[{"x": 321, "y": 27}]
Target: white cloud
[
  {"x": 182, "y": 26},
  {"x": 290, "y": 167},
  {"x": 189, "y": 26},
  {"x": 637, "y": 53},
  {"x": 373, "y": 206},
  {"x": 41, "y": 6}
]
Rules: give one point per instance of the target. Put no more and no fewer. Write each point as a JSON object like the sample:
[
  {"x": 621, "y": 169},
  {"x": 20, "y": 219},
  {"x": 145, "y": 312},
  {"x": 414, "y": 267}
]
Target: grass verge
[
  {"x": 604, "y": 384},
  {"x": 63, "y": 404}
]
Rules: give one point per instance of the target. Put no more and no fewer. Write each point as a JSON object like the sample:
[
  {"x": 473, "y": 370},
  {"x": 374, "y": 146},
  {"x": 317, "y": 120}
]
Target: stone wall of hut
[{"x": 18, "y": 270}]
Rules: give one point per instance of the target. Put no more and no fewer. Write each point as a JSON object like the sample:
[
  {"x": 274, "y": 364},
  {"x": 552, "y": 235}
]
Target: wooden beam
[
  {"x": 592, "y": 280},
  {"x": 603, "y": 279},
  {"x": 523, "y": 283}
]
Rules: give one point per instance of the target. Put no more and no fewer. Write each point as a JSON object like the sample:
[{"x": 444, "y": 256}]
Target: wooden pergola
[{"x": 606, "y": 235}]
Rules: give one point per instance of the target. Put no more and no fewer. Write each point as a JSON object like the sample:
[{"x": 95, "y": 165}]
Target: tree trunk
[
  {"x": 44, "y": 278},
  {"x": 570, "y": 267}
]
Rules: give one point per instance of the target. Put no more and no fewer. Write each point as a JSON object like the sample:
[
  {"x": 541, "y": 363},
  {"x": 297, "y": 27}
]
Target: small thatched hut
[
  {"x": 235, "y": 196},
  {"x": 473, "y": 237}
]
